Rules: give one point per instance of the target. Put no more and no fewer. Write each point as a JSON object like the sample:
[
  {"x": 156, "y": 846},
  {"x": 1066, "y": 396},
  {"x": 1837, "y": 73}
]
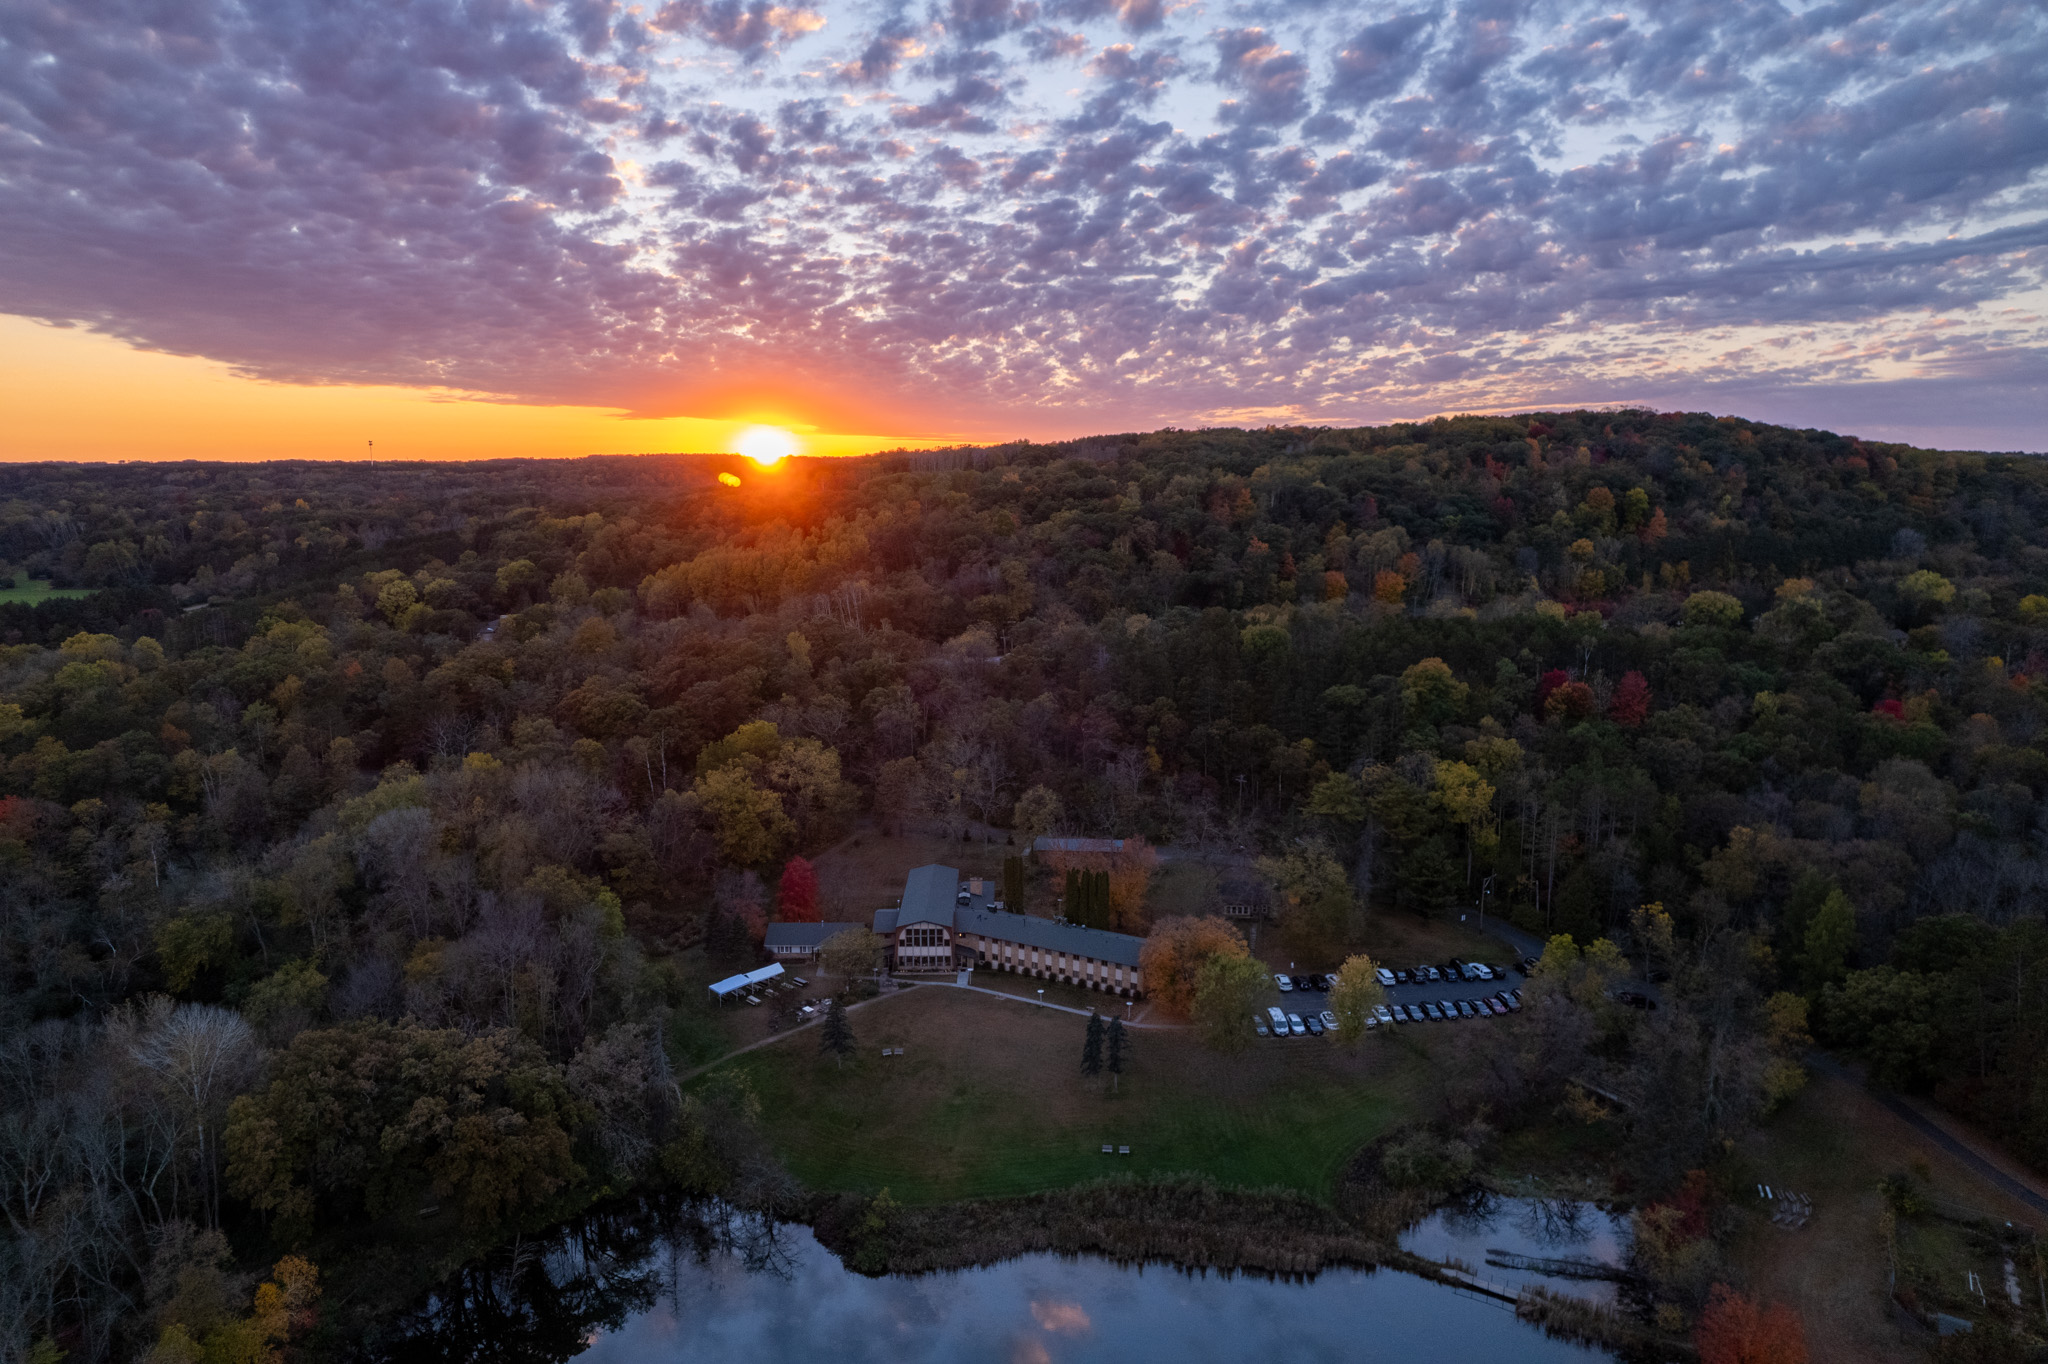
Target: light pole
[
  {"x": 1485, "y": 889},
  {"x": 1041, "y": 995}
]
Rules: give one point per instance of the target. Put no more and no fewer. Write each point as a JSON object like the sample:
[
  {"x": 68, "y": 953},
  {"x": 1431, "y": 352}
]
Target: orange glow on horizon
[{"x": 73, "y": 394}]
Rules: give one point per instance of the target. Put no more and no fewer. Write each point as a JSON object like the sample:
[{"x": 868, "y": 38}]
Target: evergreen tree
[
  {"x": 1072, "y": 906},
  {"x": 1117, "y": 1045},
  {"x": 1101, "y": 917},
  {"x": 836, "y": 1036},
  {"x": 1013, "y": 884},
  {"x": 1091, "y": 1050}
]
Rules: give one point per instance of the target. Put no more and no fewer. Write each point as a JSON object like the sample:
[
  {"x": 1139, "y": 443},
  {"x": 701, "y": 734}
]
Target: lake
[{"x": 722, "y": 1286}]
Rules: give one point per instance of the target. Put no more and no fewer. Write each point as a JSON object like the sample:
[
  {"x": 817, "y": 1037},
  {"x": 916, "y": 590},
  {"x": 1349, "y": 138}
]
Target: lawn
[
  {"x": 29, "y": 591},
  {"x": 1833, "y": 1142},
  {"x": 988, "y": 1100},
  {"x": 865, "y": 872}
]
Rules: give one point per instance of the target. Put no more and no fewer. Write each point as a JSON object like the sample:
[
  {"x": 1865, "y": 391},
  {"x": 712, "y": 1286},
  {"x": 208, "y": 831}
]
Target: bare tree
[{"x": 199, "y": 1056}]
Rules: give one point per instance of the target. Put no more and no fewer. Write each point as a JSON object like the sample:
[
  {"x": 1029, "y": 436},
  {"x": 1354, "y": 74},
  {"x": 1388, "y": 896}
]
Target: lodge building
[{"x": 949, "y": 924}]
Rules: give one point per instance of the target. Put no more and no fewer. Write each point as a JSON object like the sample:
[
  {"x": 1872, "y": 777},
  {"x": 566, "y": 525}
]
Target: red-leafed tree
[
  {"x": 1736, "y": 1330},
  {"x": 799, "y": 892},
  {"x": 1630, "y": 704},
  {"x": 1547, "y": 684},
  {"x": 1572, "y": 701}
]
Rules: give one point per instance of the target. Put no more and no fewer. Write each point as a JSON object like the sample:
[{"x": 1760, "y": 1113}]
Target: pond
[
  {"x": 1475, "y": 1231},
  {"x": 712, "y": 1285}
]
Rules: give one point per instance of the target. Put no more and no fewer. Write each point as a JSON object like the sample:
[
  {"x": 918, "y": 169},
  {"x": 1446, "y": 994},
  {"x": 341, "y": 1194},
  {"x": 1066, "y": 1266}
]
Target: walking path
[
  {"x": 955, "y": 984},
  {"x": 1951, "y": 1137}
]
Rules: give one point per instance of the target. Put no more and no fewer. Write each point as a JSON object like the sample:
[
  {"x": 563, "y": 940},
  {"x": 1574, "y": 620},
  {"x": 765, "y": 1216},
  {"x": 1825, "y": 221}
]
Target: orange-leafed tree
[
  {"x": 1174, "y": 952},
  {"x": 1737, "y": 1330},
  {"x": 799, "y": 892}
]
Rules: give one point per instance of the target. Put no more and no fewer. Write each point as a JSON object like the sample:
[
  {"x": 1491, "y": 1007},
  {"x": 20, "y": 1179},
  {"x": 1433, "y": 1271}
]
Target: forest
[{"x": 357, "y": 828}]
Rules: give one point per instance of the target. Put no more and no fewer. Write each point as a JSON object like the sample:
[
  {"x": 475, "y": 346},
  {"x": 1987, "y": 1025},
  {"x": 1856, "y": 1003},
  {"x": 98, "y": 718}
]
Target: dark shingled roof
[
  {"x": 931, "y": 895},
  {"x": 802, "y": 935}
]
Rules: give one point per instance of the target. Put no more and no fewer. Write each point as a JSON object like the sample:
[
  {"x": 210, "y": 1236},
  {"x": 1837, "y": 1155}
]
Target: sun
[{"x": 764, "y": 444}]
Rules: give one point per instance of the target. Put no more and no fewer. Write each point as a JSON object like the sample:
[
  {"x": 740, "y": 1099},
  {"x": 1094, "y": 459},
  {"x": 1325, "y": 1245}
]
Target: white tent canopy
[{"x": 720, "y": 989}]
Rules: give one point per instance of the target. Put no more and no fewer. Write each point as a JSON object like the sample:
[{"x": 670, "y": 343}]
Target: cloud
[{"x": 953, "y": 210}]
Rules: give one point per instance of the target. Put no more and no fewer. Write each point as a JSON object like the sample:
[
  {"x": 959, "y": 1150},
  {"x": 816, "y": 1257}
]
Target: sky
[{"x": 484, "y": 227}]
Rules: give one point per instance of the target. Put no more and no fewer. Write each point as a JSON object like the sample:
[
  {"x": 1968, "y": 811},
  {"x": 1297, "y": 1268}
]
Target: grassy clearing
[
  {"x": 865, "y": 873},
  {"x": 1833, "y": 1143},
  {"x": 989, "y": 1101},
  {"x": 29, "y": 591}
]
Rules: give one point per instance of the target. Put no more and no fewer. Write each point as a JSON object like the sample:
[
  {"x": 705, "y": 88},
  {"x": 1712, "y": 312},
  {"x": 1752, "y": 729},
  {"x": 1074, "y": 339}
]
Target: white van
[{"x": 1279, "y": 1022}]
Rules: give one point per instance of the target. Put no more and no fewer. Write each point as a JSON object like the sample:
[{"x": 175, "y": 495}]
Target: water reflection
[
  {"x": 1551, "y": 1229},
  {"x": 671, "y": 1282}
]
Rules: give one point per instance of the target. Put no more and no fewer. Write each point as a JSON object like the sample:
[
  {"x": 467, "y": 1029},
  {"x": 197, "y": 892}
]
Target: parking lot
[{"x": 1314, "y": 1001}]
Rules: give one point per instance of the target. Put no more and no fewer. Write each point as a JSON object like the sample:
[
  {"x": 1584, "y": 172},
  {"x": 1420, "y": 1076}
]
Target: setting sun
[{"x": 764, "y": 444}]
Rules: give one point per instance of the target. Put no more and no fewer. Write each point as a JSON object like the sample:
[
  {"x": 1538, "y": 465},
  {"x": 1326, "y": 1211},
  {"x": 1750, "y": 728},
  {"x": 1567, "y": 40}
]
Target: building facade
[{"x": 949, "y": 924}]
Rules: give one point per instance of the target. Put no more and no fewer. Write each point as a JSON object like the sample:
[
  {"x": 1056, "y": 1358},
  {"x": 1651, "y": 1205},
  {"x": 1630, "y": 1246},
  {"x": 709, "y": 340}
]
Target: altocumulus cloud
[{"x": 1057, "y": 214}]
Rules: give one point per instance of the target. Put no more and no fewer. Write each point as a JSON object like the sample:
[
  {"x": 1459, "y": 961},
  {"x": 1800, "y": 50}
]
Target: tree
[
  {"x": 1357, "y": 994},
  {"x": 1630, "y": 704},
  {"x": 1431, "y": 693},
  {"x": 1735, "y": 1330},
  {"x": 851, "y": 952},
  {"x": 1316, "y": 898},
  {"x": 199, "y": 1056},
  {"x": 1171, "y": 959},
  {"x": 1038, "y": 812},
  {"x": 1091, "y": 1046},
  {"x": 1227, "y": 991},
  {"x": 835, "y": 1038},
  {"x": 1712, "y": 610},
  {"x": 798, "y": 892},
  {"x": 1013, "y": 884},
  {"x": 1118, "y": 1053},
  {"x": 1830, "y": 937}
]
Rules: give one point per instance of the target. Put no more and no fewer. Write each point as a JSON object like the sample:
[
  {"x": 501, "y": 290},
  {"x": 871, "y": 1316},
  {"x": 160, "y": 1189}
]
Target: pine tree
[
  {"x": 1116, "y": 1052},
  {"x": 1100, "y": 919},
  {"x": 1091, "y": 1050},
  {"x": 836, "y": 1036},
  {"x": 1073, "y": 907},
  {"x": 1013, "y": 884}
]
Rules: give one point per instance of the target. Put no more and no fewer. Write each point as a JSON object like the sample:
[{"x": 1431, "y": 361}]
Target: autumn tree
[
  {"x": 1734, "y": 1329},
  {"x": 798, "y": 892},
  {"x": 1174, "y": 952},
  {"x": 1357, "y": 994}
]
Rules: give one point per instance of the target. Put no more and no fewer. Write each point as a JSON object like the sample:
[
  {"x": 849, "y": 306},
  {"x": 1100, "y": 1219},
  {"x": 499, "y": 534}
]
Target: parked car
[
  {"x": 1423, "y": 973},
  {"x": 1526, "y": 965},
  {"x": 1329, "y": 1020},
  {"x": 1450, "y": 1009},
  {"x": 1514, "y": 1005},
  {"x": 1401, "y": 976},
  {"x": 1384, "y": 976},
  {"x": 1399, "y": 1013},
  {"x": 1296, "y": 1026},
  {"x": 1379, "y": 1011},
  {"x": 1259, "y": 1026},
  {"x": 1478, "y": 970},
  {"x": 1465, "y": 1009},
  {"x": 1279, "y": 1022},
  {"x": 1283, "y": 982},
  {"x": 807, "y": 1011},
  {"x": 1436, "y": 1015},
  {"x": 1315, "y": 1025}
]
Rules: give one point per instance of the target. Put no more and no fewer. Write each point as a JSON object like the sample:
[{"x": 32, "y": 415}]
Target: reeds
[{"x": 1185, "y": 1220}]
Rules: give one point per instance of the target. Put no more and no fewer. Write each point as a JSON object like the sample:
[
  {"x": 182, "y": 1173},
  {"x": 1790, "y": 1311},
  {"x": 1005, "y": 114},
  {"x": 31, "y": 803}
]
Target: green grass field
[
  {"x": 989, "y": 1100},
  {"x": 29, "y": 591}
]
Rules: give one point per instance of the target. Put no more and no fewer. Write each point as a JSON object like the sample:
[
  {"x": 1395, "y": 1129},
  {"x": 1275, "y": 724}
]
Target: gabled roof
[
  {"x": 1077, "y": 845},
  {"x": 1049, "y": 935},
  {"x": 802, "y": 935},
  {"x": 930, "y": 896}
]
